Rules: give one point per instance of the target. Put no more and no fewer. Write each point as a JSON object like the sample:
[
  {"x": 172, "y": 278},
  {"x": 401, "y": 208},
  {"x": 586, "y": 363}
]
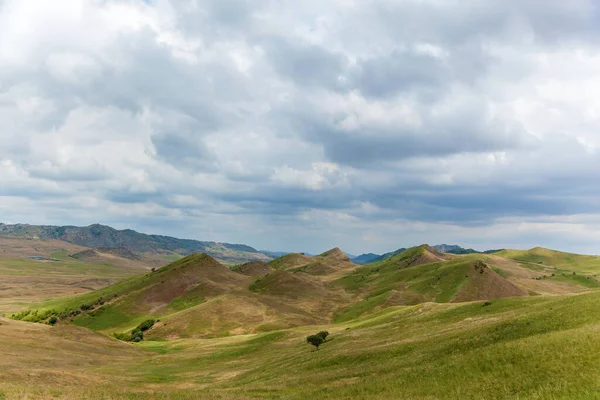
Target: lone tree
[
  {"x": 315, "y": 340},
  {"x": 324, "y": 335}
]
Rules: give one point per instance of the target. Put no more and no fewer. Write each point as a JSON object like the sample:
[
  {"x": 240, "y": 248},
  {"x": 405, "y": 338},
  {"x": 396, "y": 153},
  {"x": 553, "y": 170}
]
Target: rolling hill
[
  {"x": 526, "y": 347},
  {"x": 444, "y": 248},
  {"x": 420, "y": 324},
  {"x": 192, "y": 296},
  {"x": 541, "y": 258}
]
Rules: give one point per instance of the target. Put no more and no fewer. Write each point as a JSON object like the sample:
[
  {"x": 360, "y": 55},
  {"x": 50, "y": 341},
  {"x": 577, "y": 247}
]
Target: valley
[{"x": 417, "y": 324}]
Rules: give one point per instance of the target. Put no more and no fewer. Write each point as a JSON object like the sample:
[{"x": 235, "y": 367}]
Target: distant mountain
[
  {"x": 274, "y": 254},
  {"x": 453, "y": 249},
  {"x": 102, "y": 236},
  {"x": 388, "y": 255},
  {"x": 365, "y": 258}
]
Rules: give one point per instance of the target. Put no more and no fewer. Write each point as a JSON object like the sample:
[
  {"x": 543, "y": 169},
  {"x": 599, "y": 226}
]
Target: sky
[{"x": 304, "y": 125}]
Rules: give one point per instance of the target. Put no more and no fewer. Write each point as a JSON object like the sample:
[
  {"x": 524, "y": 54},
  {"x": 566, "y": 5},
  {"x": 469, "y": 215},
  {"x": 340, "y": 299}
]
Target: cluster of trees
[
  {"x": 52, "y": 316},
  {"x": 318, "y": 339},
  {"x": 137, "y": 334}
]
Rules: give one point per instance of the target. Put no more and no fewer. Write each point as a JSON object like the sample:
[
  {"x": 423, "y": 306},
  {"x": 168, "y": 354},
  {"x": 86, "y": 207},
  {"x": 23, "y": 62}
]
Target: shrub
[
  {"x": 121, "y": 336},
  {"x": 137, "y": 335},
  {"x": 52, "y": 320},
  {"x": 487, "y": 303},
  {"x": 324, "y": 335},
  {"x": 315, "y": 340},
  {"x": 147, "y": 324}
]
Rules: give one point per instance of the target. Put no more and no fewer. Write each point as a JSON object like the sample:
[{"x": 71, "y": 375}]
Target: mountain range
[
  {"x": 136, "y": 244},
  {"x": 105, "y": 237}
]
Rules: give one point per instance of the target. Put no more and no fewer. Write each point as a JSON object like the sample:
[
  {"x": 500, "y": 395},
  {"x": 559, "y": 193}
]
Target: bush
[
  {"x": 52, "y": 320},
  {"x": 315, "y": 340},
  {"x": 137, "y": 334},
  {"x": 121, "y": 336},
  {"x": 147, "y": 324},
  {"x": 324, "y": 335}
]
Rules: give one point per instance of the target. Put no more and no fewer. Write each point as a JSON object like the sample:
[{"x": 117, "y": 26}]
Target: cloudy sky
[{"x": 289, "y": 125}]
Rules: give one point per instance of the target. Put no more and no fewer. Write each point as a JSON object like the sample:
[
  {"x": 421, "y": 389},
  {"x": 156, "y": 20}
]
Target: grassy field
[
  {"x": 399, "y": 329},
  {"x": 24, "y": 282},
  {"x": 533, "y": 347}
]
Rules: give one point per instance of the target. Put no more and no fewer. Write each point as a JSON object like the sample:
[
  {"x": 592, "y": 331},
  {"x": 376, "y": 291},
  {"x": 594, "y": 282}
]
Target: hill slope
[
  {"x": 527, "y": 347},
  {"x": 552, "y": 258},
  {"x": 189, "y": 295}
]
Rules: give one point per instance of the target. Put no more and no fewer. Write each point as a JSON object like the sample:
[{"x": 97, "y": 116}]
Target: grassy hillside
[
  {"x": 541, "y": 258},
  {"x": 529, "y": 348},
  {"x": 418, "y": 325},
  {"x": 295, "y": 290},
  {"x": 180, "y": 285}
]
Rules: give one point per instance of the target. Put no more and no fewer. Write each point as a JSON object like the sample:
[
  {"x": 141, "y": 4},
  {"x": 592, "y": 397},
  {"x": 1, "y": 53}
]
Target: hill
[
  {"x": 444, "y": 248},
  {"x": 526, "y": 347},
  {"x": 252, "y": 268},
  {"x": 189, "y": 295},
  {"x": 365, "y": 258},
  {"x": 32, "y": 270},
  {"x": 101, "y": 236},
  {"x": 187, "y": 292},
  {"x": 541, "y": 258},
  {"x": 453, "y": 249}
]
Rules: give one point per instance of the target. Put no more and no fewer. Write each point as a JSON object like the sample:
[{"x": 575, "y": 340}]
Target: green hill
[
  {"x": 543, "y": 347},
  {"x": 199, "y": 297},
  {"x": 551, "y": 258}
]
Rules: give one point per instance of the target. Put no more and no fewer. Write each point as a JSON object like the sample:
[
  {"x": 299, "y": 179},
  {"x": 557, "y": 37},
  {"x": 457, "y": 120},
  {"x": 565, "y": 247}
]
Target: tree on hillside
[
  {"x": 324, "y": 335},
  {"x": 315, "y": 340}
]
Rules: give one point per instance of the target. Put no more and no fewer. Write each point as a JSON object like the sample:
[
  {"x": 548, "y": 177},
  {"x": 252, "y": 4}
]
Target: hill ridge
[{"x": 104, "y": 236}]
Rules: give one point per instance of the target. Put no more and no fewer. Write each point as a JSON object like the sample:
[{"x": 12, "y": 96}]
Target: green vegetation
[
  {"x": 438, "y": 281},
  {"x": 137, "y": 334},
  {"x": 531, "y": 347},
  {"x": 545, "y": 257},
  {"x": 315, "y": 340},
  {"x": 397, "y": 332}
]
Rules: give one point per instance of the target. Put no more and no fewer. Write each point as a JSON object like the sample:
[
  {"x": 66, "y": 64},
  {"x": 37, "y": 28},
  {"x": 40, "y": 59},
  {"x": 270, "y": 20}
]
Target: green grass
[
  {"x": 544, "y": 257},
  {"x": 527, "y": 348},
  {"x": 585, "y": 281},
  {"x": 360, "y": 308},
  {"x": 438, "y": 281}
]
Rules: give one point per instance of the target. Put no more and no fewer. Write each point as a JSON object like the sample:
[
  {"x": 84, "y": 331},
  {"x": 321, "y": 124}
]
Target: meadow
[
  {"x": 397, "y": 329},
  {"x": 533, "y": 347}
]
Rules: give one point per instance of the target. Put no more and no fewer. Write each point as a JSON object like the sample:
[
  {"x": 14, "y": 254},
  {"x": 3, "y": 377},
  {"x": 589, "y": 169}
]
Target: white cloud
[{"x": 368, "y": 125}]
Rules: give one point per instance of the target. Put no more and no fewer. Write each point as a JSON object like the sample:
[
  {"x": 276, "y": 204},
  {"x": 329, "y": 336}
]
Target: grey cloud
[
  {"x": 66, "y": 173},
  {"x": 305, "y": 64},
  {"x": 398, "y": 72},
  {"x": 465, "y": 130},
  {"x": 301, "y": 66},
  {"x": 185, "y": 153}
]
